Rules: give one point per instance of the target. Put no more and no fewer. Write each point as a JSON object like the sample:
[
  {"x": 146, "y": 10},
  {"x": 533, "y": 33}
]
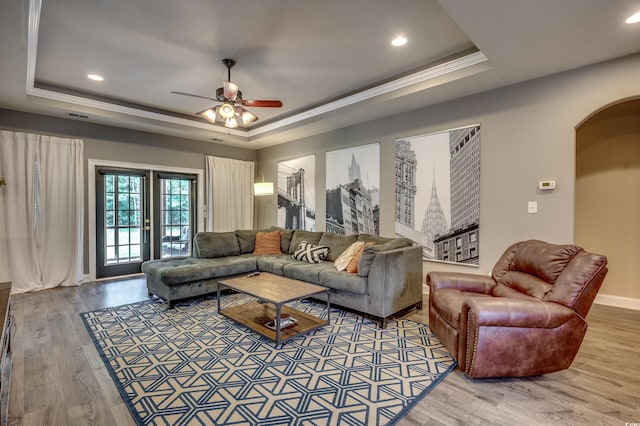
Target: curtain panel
[
  {"x": 229, "y": 194},
  {"x": 41, "y": 211}
]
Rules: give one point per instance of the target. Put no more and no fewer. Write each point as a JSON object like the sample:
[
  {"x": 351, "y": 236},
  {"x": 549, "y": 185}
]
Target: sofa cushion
[
  {"x": 340, "y": 280},
  {"x": 268, "y": 243},
  {"x": 300, "y": 235},
  {"x": 337, "y": 243},
  {"x": 247, "y": 239},
  {"x": 285, "y": 237},
  {"x": 216, "y": 244},
  {"x": 310, "y": 253},
  {"x": 274, "y": 263},
  {"x": 309, "y": 272},
  {"x": 179, "y": 271}
]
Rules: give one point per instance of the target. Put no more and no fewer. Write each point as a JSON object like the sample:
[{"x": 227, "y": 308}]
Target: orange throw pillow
[
  {"x": 352, "y": 267},
  {"x": 267, "y": 243}
]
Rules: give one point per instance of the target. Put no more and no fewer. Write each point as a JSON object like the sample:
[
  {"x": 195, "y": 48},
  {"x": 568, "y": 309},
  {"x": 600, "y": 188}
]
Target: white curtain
[
  {"x": 41, "y": 211},
  {"x": 229, "y": 194}
]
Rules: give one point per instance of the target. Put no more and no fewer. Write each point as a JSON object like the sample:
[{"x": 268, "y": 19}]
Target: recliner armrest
[
  {"x": 506, "y": 312},
  {"x": 464, "y": 282},
  {"x": 504, "y": 337}
]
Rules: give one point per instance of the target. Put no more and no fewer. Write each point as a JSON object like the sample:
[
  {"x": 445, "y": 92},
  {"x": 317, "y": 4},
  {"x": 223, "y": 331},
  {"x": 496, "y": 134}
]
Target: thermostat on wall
[{"x": 546, "y": 185}]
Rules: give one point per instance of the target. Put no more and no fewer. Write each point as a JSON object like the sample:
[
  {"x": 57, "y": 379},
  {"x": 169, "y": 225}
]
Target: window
[
  {"x": 122, "y": 218},
  {"x": 458, "y": 242},
  {"x": 472, "y": 237}
]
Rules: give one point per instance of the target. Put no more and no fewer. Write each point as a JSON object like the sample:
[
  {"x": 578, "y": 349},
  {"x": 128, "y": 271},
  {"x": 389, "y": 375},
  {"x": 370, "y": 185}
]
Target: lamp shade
[{"x": 263, "y": 188}]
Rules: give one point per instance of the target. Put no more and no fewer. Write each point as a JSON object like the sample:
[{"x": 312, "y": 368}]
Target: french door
[
  {"x": 126, "y": 230},
  {"x": 122, "y": 221}
]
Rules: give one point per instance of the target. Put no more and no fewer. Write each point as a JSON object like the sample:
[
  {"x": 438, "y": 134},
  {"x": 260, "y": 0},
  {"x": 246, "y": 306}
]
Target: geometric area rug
[{"x": 191, "y": 366}]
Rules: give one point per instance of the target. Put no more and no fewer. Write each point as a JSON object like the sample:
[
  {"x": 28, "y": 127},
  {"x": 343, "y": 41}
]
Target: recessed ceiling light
[
  {"x": 399, "y": 41},
  {"x": 633, "y": 19},
  {"x": 95, "y": 77}
]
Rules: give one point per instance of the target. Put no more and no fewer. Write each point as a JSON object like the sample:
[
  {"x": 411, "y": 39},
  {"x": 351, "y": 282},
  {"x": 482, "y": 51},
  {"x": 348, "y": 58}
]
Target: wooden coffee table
[{"x": 273, "y": 291}]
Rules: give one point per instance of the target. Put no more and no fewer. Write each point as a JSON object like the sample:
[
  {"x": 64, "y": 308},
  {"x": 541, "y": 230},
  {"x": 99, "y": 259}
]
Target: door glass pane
[
  {"x": 175, "y": 216},
  {"x": 123, "y": 225}
]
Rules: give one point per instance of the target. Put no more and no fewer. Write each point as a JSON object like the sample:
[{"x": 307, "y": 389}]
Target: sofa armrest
[
  {"x": 475, "y": 283},
  {"x": 394, "y": 281}
]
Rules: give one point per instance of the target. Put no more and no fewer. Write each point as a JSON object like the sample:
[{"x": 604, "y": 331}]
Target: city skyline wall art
[
  {"x": 437, "y": 193},
  {"x": 297, "y": 193},
  {"x": 352, "y": 190}
]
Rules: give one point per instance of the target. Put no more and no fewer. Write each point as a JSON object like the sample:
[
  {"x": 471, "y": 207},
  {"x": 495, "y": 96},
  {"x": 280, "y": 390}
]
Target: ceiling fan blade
[
  {"x": 262, "y": 103},
  {"x": 195, "y": 96},
  {"x": 230, "y": 91}
]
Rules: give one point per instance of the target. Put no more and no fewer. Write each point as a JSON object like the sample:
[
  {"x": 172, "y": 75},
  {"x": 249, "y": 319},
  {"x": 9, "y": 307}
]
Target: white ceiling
[{"x": 330, "y": 62}]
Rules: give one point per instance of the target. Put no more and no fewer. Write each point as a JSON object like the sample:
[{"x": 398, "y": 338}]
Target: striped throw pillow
[{"x": 310, "y": 253}]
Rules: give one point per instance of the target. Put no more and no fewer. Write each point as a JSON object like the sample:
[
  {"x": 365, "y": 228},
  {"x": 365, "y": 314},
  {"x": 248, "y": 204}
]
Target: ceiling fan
[{"x": 231, "y": 112}]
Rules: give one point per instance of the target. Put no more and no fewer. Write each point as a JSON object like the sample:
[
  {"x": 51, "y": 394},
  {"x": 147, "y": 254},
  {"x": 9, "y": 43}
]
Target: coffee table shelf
[
  {"x": 272, "y": 292},
  {"x": 255, "y": 315}
]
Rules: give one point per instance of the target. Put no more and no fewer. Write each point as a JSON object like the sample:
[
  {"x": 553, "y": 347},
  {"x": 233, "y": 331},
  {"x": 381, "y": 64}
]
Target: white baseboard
[
  {"x": 86, "y": 278},
  {"x": 618, "y": 301}
]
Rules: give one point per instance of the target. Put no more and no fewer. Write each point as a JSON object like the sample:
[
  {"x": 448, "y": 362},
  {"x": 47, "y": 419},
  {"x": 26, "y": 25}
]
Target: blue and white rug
[{"x": 191, "y": 366}]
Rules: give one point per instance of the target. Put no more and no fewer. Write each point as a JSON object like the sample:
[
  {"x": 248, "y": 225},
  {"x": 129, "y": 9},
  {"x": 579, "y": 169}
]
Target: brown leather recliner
[{"x": 526, "y": 319}]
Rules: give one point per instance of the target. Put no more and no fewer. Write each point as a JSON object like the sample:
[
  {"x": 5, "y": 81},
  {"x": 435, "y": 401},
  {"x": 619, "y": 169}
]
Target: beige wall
[
  {"x": 528, "y": 135},
  {"x": 123, "y": 145},
  {"x": 608, "y": 193}
]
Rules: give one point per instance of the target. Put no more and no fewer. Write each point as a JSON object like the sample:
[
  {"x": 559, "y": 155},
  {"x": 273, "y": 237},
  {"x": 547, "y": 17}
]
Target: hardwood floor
[{"x": 59, "y": 379}]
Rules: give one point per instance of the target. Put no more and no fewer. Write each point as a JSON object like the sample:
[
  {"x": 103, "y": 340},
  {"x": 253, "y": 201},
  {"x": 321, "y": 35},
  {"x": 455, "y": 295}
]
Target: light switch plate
[{"x": 532, "y": 207}]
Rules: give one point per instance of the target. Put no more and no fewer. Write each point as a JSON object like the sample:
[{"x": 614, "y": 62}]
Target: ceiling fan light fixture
[
  {"x": 209, "y": 114},
  {"x": 226, "y": 110},
  {"x": 247, "y": 117},
  {"x": 231, "y": 122}
]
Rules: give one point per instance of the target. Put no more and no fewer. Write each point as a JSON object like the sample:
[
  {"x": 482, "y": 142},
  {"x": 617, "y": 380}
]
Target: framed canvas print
[
  {"x": 353, "y": 181},
  {"x": 297, "y": 194},
  {"x": 437, "y": 200}
]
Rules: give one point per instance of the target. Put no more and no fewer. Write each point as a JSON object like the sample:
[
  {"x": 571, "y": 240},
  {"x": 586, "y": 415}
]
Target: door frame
[{"x": 94, "y": 164}]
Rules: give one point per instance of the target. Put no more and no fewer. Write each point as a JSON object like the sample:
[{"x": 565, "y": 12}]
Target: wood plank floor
[{"x": 59, "y": 379}]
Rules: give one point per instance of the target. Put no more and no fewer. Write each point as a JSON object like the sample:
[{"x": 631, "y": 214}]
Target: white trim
[
  {"x": 400, "y": 83},
  {"x": 618, "y": 301},
  {"x": 91, "y": 199}
]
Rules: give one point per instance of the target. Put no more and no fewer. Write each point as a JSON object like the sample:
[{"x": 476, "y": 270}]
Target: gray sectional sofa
[{"x": 388, "y": 280}]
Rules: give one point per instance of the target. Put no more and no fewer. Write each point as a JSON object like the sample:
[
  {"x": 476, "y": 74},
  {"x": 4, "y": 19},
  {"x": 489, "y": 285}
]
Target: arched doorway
[{"x": 608, "y": 194}]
